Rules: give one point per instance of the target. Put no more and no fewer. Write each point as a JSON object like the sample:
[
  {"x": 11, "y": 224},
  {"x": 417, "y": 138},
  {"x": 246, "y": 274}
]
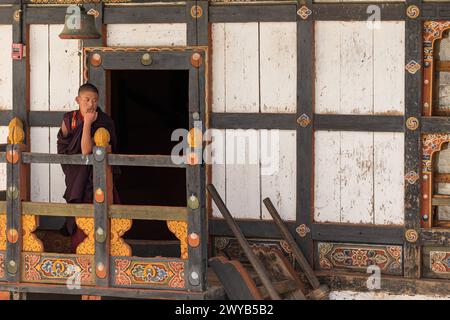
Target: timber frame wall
[{"x": 198, "y": 33}]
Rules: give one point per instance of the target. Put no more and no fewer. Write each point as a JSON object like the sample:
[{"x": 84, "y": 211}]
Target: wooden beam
[
  {"x": 58, "y": 209},
  {"x": 413, "y": 98},
  {"x": 31, "y": 157},
  {"x": 435, "y": 124},
  {"x": 148, "y": 212},
  {"x": 392, "y": 284},
  {"x": 6, "y": 15},
  {"x": 5, "y": 117},
  {"x": 435, "y": 11},
  {"x": 356, "y": 11},
  {"x": 357, "y": 233},
  {"x": 132, "y": 60},
  {"x": 253, "y": 121},
  {"x": 440, "y": 200},
  {"x": 145, "y": 14},
  {"x": 46, "y": 118},
  {"x": 264, "y": 229},
  {"x": 375, "y": 123},
  {"x": 46, "y": 15},
  {"x": 305, "y": 133},
  {"x": 442, "y": 177},
  {"x": 435, "y": 236},
  {"x": 252, "y": 13},
  {"x": 143, "y": 161}
]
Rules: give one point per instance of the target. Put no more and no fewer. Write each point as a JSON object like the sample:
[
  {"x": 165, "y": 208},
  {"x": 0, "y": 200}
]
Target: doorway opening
[{"x": 147, "y": 106}]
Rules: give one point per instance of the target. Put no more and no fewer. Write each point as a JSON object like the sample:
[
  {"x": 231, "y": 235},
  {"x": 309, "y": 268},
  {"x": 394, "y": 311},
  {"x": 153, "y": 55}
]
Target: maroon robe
[{"x": 79, "y": 185}]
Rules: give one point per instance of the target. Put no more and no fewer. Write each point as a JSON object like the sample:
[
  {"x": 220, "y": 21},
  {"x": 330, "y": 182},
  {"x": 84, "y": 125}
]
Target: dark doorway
[{"x": 147, "y": 106}]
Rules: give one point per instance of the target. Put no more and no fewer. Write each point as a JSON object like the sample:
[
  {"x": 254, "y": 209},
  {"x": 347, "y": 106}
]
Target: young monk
[{"x": 76, "y": 137}]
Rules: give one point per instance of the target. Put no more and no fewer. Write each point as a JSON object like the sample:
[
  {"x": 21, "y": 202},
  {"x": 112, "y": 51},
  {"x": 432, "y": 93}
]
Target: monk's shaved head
[{"x": 87, "y": 87}]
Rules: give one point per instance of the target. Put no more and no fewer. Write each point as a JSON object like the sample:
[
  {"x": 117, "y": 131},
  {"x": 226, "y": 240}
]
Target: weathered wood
[
  {"x": 212, "y": 293},
  {"x": 435, "y": 11},
  {"x": 250, "y": 228},
  {"x": 357, "y": 233},
  {"x": 442, "y": 177},
  {"x": 305, "y": 134},
  {"x": 413, "y": 105},
  {"x": 46, "y": 118},
  {"x": 234, "y": 277},
  {"x": 435, "y": 124},
  {"x": 40, "y": 172},
  {"x": 443, "y": 66},
  {"x": 252, "y": 121},
  {"x": 3, "y": 206},
  {"x": 58, "y": 209},
  {"x": 148, "y": 212},
  {"x": 435, "y": 236},
  {"x": 297, "y": 253},
  {"x": 143, "y": 160},
  {"x": 31, "y": 157},
  {"x": 5, "y": 117},
  {"x": 440, "y": 200},
  {"x": 160, "y": 61},
  {"x": 57, "y": 177},
  {"x": 356, "y": 11},
  {"x": 46, "y": 15},
  {"x": 349, "y": 122},
  {"x": 146, "y": 34},
  {"x": 99, "y": 25},
  {"x": 244, "y": 244},
  {"x": 2, "y": 157},
  {"x": 102, "y": 183},
  {"x": 6, "y": 15},
  {"x": 144, "y": 14},
  {"x": 6, "y": 71},
  {"x": 252, "y": 13}
]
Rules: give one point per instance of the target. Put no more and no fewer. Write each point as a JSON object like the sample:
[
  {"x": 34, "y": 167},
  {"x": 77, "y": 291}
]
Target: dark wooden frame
[{"x": 198, "y": 34}]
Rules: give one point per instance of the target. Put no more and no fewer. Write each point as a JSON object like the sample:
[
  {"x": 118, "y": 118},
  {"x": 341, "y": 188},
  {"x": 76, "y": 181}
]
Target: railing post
[
  {"x": 16, "y": 192},
  {"x": 103, "y": 197}
]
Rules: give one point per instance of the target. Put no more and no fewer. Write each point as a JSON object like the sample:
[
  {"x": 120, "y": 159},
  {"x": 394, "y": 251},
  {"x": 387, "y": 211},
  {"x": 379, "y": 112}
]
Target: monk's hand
[{"x": 90, "y": 117}]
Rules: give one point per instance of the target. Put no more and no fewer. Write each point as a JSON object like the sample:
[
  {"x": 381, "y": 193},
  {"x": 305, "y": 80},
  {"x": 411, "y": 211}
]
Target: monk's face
[{"x": 87, "y": 100}]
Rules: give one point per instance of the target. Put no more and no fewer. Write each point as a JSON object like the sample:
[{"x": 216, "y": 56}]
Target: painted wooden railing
[{"x": 103, "y": 259}]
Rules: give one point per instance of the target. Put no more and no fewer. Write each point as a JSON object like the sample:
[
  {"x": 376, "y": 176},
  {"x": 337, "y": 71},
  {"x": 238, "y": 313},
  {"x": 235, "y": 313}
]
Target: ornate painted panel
[
  {"x": 57, "y": 268},
  {"x": 230, "y": 248},
  {"x": 358, "y": 257},
  {"x": 436, "y": 262},
  {"x": 148, "y": 273}
]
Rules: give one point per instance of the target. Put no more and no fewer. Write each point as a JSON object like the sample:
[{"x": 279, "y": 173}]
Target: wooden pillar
[
  {"x": 103, "y": 197},
  {"x": 413, "y": 107},
  {"x": 17, "y": 190},
  {"x": 305, "y": 132},
  {"x": 197, "y": 34}
]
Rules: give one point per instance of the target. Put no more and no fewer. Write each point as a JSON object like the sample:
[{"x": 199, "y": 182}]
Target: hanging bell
[{"x": 79, "y": 24}]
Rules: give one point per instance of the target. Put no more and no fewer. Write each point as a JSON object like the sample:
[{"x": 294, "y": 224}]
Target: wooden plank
[
  {"x": 40, "y": 172},
  {"x": 350, "y": 122},
  {"x": 5, "y": 117},
  {"x": 144, "y": 14},
  {"x": 243, "y": 173},
  {"x": 131, "y": 61},
  {"x": 202, "y": 24},
  {"x": 148, "y": 212},
  {"x": 218, "y": 167},
  {"x": 236, "y": 120},
  {"x": 327, "y": 177},
  {"x": 389, "y": 178},
  {"x": 242, "y": 70},
  {"x": 278, "y": 63},
  {"x": 356, "y": 180},
  {"x": 6, "y": 15},
  {"x": 64, "y": 57},
  {"x": 191, "y": 23},
  {"x": 102, "y": 182},
  {"x": 57, "y": 158},
  {"x": 388, "y": 68},
  {"x": 46, "y": 15},
  {"x": 251, "y": 228},
  {"x": 435, "y": 236},
  {"x": 46, "y": 118},
  {"x": 328, "y": 67},
  {"x": 357, "y": 233},
  {"x": 218, "y": 54},
  {"x": 253, "y": 13},
  {"x": 278, "y": 172},
  {"x": 6, "y": 70},
  {"x": 356, "y": 67},
  {"x": 39, "y": 68},
  {"x": 435, "y": 11},
  {"x": 143, "y": 160},
  {"x": 114, "y": 292},
  {"x": 356, "y": 11},
  {"x": 442, "y": 177},
  {"x": 57, "y": 177},
  {"x": 413, "y": 106},
  {"x": 126, "y": 34},
  {"x": 435, "y": 124},
  {"x": 58, "y": 209}
]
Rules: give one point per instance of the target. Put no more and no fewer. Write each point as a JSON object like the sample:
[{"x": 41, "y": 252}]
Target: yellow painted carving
[
  {"x": 179, "y": 229},
  {"x": 3, "y": 231},
  {"x": 16, "y": 134},
  {"x": 31, "y": 243},
  {"x": 101, "y": 137},
  {"x": 88, "y": 245},
  {"x": 118, "y": 246}
]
